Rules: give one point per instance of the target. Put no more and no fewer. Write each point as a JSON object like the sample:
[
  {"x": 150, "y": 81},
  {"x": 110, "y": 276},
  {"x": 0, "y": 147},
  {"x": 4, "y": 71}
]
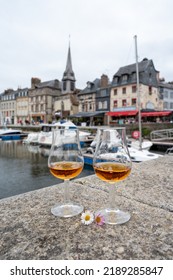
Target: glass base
[
  {"x": 114, "y": 216},
  {"x": 67, "y": 210}
]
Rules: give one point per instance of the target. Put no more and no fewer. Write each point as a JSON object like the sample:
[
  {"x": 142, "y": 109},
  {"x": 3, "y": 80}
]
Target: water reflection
[{"x": 24, "y": 168}]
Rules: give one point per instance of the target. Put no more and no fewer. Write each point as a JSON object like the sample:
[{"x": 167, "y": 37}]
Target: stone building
[
  {"x": 8, "y": 107},
  {"x": 166, "y": 89},
  {"x": 124, "y": 96},
  {"x": 14, "y": 106},
  {"x": 94, "y": 101},
  {"x": 41, "y": 100},
  {"x": 22, "y": 106}
]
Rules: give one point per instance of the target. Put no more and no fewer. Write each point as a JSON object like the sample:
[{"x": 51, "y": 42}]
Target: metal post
[{"x": 138, "y": 95}]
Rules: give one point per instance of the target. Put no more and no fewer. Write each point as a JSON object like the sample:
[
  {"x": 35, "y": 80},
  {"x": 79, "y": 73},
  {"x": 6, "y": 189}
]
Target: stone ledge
[{"x": 30, "y": 231}]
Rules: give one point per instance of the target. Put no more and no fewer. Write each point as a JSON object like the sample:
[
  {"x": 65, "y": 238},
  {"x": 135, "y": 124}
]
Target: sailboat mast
[{"x": 138, "y": 95}]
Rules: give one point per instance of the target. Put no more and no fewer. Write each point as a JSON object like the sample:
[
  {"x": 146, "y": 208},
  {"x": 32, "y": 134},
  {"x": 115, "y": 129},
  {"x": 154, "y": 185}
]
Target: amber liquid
[
  {"x": 66, "y": 170},
  {"x": 111, "y": 172}
]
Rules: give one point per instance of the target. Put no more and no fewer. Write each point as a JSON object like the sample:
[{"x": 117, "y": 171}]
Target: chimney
[
  {"x": 34, "y": 82},
  {"x": 104, "y": 81}
]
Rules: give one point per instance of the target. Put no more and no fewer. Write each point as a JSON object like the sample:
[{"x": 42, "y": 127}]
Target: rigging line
[{"x": 126, "y": 62}]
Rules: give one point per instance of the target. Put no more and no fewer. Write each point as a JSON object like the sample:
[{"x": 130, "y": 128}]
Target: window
[
  {"x": 115, "y": 80},
  {"x": 115, "y": 103},
  {"x": 103, "y": 93},
  {"x": 150, "y": 90},
  {"x": 124, "y": 78},
  {"x": 100, "y": 105},
  {"x": 64, "y": 85},
  {"x": 72, "y": 86},
  {"x": 62, "y": 106},
  {"x": 123, "y": 90},
  {"x": 165, "y": 105},
  {"x": 133, "y": 89},
  {"x": 124, "y": 102},
  {"x": 166, "y": 94},
  {"x": 134, "y": 76},
  {"x": 133, "y": 101},
  {"x": 115, "y": 91},
  {"x": 171, "y": 105},
  {"x": 171, "y": 95},
  {"x": 105, "y": 104}
]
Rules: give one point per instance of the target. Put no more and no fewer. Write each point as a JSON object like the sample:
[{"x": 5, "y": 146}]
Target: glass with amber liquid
[
  {"x": 66, "y": 162},
  {"x": 112, "y": 164}
]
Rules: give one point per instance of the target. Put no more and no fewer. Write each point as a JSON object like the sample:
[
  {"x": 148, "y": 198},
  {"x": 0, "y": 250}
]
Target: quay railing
[{"x": 161, "y": 135}]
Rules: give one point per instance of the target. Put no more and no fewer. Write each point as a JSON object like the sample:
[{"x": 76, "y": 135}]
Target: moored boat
[
  {"x": 45, "y": 136},
  {"x": 11, "y": 134},
  {"x": 135, "y": 155},
  {"x": 32, "y": 138},
  {"x": 145, "y": 144}
]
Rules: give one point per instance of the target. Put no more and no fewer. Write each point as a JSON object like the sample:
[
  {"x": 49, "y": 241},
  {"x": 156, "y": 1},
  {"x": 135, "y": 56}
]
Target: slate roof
[
  {"x": 51, "y": 84},
  {"x": 129, "y": 69},
  {"x": 166, "y": 85},
  {"x": 69, "y": 74},
  {"x": 94, "y": 86},
  {"x": 147, "y": 74}
]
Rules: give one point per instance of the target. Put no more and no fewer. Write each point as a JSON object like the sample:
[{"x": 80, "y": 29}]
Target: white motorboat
[
  {"x": 135, "y": 155},
  {"x": 145, "y": 144},
  {"x": 45, "y": 136},
  {"x": 7, "y": 131},
  {"x": 11, "y": 134},
  {"x": 32, "y": 138}
]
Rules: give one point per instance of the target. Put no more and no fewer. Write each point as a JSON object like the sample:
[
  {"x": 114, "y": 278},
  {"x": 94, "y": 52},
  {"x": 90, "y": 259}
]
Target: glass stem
[
  {"x": 112, "y": 196},
  {"x": 66, "y": 191}
]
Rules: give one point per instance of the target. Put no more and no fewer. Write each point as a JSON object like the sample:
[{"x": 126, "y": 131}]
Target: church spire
[{"x": 68, "y": 79}]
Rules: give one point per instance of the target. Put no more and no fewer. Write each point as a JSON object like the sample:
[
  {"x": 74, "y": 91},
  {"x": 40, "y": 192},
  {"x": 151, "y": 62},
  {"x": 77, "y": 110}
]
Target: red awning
[
  {"x": 156, "y": 114},
  {"x": 123, "y": 113}
]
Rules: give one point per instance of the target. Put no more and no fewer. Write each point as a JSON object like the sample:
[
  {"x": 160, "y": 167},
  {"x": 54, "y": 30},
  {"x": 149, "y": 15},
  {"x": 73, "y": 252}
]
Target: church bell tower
[{"x": 68, "y": 80}]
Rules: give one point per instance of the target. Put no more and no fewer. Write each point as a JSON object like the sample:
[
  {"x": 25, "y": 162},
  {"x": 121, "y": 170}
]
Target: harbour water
[{"x": 23, "y": 168}]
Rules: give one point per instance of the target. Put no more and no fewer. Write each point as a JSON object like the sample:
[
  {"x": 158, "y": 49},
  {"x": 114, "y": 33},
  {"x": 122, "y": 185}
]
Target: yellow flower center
[
  {"x": 98, "y": 219},
  {"x": 87, "y": 217}
]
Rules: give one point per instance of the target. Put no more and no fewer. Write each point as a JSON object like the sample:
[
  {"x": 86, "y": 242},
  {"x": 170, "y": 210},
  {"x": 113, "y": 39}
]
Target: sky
[{"x": 35, "y": 35}]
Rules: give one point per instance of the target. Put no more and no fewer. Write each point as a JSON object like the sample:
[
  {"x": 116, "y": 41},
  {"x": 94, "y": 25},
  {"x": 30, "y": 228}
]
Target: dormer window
[
  {"x": 124, "y": 78},
  {"x": 134, "y": 76},
  {"x": 115, "y": 80},
  {"x": 88, "y": 85}
]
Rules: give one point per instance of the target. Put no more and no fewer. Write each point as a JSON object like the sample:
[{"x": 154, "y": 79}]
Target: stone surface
[{"x": 29, "y": 230}]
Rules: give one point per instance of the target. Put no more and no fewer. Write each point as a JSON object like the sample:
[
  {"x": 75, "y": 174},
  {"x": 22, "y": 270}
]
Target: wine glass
[
  {"x": 66, "y": 162},
  {"x": 112, "y": 163}
]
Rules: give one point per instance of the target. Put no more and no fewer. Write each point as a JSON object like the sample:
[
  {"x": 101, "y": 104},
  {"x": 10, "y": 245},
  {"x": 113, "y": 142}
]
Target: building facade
[
  {"x": 41, "y": 100},
  {"x": 166, "y": 89},
  {"x": 94, "y": 101},
  {"x": 100, "y": 102},
  {"x": 14, "y": 106},
  {"x": 22, "y": 106},
  {"x": 124, "y": 95}
]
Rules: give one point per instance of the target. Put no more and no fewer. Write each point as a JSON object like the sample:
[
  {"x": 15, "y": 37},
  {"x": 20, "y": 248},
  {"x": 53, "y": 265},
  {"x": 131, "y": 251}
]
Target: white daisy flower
[{"x": 87, "y": 218}]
